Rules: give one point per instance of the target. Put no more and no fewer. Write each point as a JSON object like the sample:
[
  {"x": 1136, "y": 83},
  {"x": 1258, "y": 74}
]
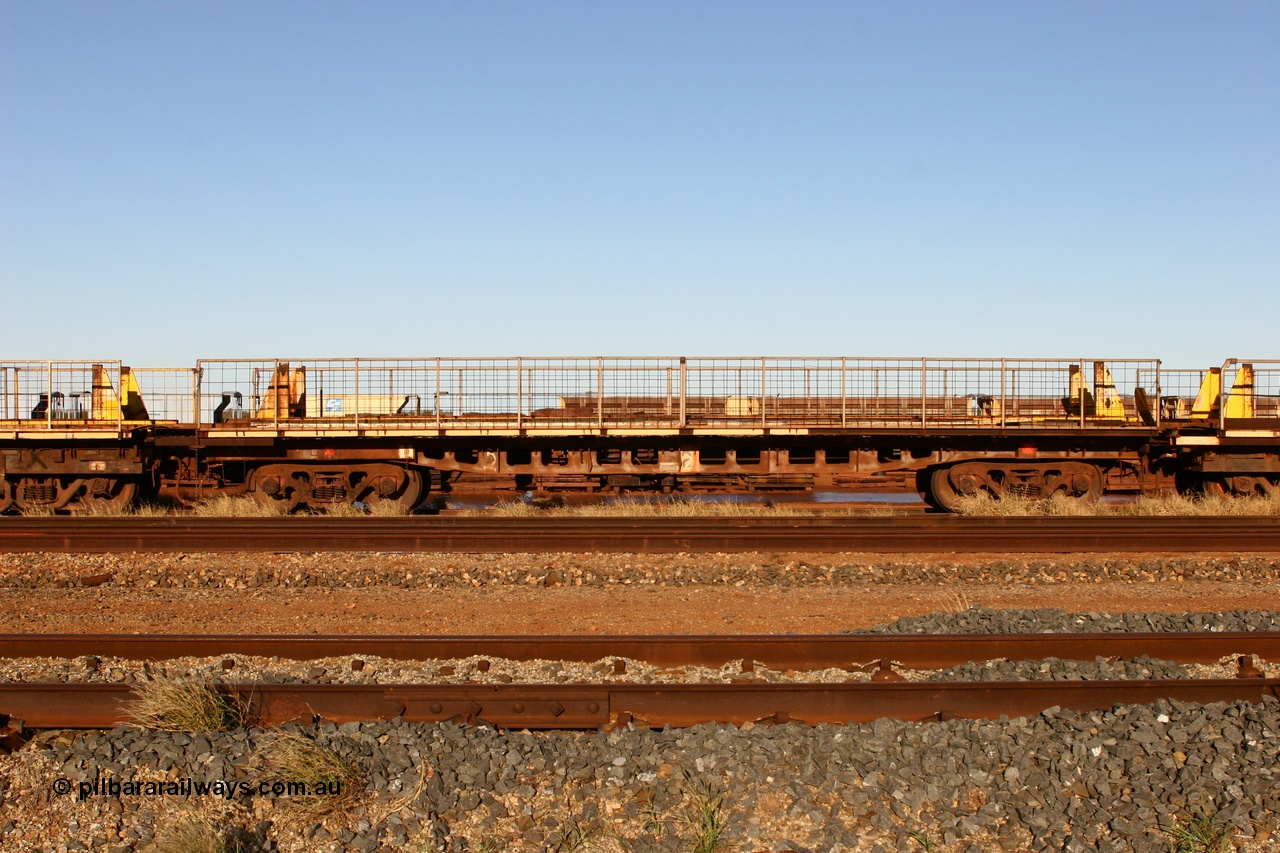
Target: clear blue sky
[{"x": 248, "y": 179}]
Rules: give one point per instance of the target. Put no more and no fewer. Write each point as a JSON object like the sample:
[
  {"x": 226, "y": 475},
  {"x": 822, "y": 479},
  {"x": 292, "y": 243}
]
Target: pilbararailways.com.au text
[{"x": 187, "y": 787}]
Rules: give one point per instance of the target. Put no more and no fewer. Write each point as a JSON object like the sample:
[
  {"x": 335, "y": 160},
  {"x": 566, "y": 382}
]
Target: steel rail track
[
  {"x": 585, "y": 706},
  {"x": 924, "y": 534},
  {"x": 573, "y": 706},
  {"x": 776, "y": 651}
]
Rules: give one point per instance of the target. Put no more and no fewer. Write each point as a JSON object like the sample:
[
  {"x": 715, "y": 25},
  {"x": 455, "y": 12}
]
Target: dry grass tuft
[
  {"x": 135, "y": 510},
  {"x": 130, "y": 510},
  {"x": 245, "y": 506},
  {"x": 1057, "y": 505},
  {"x": 707, "y": 825},
  {"x": 338, "y": 510},
  {"x": 504, "y": 509},
  {"x": 233, "y": 506},
  {"x": 150, "y": 510},
  {"x": 641, "y": 508},
  {"x": 572, "y": 835},
  {"x": 194, "y": 835},
  {"x": 957, "y": 601},
  {"x": 680, "y": 508},
  {"x": 1162, "y": 505},
  {"x": 375, "y": 509},
  {"x": 39, "y": 511},
  {"x": 185, "y": 705},
  {"x": 388, "y": 509},
  {"x": 1205, "y": 505},
  {"x": 331, "y": 783},
  {"x": 1202, "y": 833}
]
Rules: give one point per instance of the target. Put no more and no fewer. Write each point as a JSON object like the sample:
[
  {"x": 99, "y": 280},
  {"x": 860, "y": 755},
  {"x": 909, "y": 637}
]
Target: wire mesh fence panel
[
  {"x": 1128, "y": 382},
  {"x": 961, "y": 391},
  {"x": 541, "y": 397},
  {"x": 1078, "y": 393},
  {"x": 336, "y": 392},
  {"x": 640, "y": 392},
  {"x": 668, "y": 392},
  {"x": 163, "y": 394},
  {"x": 1251, "y": 389},
  {"x": 1038, "y": 392},
  {"x": 725, "y": 391},
  {"x": 803, "y": 392},
  {"x": 395, "y": 393},
  {"x": 882, "y": 391},
  {"x": 316, "y": 393},
  {"x": 12, "y": 401},
  {"x": 1178, "y": 392},
  {"x": 61, "y": 394},
  {"x": 478, "y": 391},
  {"x": 245, "y": 393},
  {"x": 29, "y": 387},
  {"x": 555, "y": 392},
  {"x": 1266, "y": 384}
]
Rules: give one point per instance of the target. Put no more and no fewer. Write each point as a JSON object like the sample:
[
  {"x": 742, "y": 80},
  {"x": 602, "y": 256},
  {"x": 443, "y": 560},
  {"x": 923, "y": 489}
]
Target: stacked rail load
[{"x": 83, "y": 436}]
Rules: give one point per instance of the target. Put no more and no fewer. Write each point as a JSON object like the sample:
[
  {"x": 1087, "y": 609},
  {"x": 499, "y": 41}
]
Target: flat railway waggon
[{"x": 93, "y": 436}]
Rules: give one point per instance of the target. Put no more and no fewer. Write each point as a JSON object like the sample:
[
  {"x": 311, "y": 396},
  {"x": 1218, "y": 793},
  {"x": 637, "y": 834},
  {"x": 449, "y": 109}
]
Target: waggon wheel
[
  {"x": 105, "y": 495},
  {"x": 925, "y": 489},
  {"x": 6, "y": 495},
  {"x": 1076, "y": 480},
  {"x": 273, "y": 487},
  {"x": 393, "y": 489},
  {"x": 945, "y": 495}
]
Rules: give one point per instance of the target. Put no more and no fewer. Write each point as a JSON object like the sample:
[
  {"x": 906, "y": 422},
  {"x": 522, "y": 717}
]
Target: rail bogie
[{"x": 90, "y": 436}]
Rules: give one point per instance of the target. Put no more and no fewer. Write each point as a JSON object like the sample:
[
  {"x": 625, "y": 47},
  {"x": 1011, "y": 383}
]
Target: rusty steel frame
[{"x": 921, "y": 534}]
